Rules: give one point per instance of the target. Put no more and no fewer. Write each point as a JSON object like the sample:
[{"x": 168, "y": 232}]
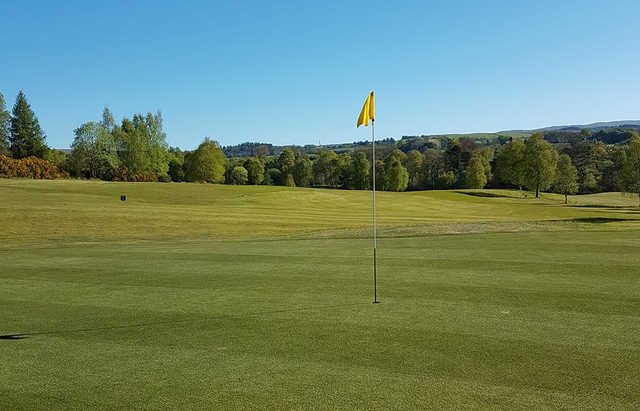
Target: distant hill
[
  {"x": 609, "y": 132},
  {"x": 625, "y": 124}
]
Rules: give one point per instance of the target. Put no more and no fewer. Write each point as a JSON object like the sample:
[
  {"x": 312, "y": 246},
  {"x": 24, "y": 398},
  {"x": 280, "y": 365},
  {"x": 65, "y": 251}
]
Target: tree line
[{"x": 136, "y": 150}]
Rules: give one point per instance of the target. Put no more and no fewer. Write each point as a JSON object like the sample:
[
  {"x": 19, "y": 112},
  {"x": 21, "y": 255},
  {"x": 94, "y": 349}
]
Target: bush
[
  {"x": 29, "y": 167},
  {"x": 239, "y": 175}
]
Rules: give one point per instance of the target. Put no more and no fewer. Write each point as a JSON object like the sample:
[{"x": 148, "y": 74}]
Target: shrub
[{"x": 29, "y": 167}]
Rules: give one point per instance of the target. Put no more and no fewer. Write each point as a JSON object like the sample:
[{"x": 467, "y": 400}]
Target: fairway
[{"x": 223, "y": 297}]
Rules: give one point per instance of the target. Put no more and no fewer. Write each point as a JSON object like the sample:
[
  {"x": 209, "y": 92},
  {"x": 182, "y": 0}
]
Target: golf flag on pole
[{"x": 368, "y": 112}]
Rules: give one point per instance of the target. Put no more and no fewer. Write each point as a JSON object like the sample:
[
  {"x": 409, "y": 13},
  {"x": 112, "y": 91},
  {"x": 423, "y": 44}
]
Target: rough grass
[{"x": 198, "y": 296}]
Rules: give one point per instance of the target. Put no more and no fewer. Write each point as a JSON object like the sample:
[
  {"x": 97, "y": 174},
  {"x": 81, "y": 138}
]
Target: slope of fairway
[
  {"x": 192, "y": 296},
  {"x": 88, "y": 210}
]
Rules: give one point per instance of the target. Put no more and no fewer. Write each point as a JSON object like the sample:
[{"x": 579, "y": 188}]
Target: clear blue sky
[{"x": 287, "y": 73}]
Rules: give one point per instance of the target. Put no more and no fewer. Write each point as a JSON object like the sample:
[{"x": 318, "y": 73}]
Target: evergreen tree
[
  {"x": 26, "y": 137},
  {"x": 566, "y": 177},
  {"x": 540, "y": 159},
  {"x": 5, "y": 127}
]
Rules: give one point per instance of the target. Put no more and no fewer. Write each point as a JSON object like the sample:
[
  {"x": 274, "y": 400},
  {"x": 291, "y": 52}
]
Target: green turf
[{"x": 200, "y": 296}]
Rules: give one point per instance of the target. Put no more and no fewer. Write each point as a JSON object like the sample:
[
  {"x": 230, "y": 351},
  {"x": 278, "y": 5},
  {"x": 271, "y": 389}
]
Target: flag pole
[{"x": 373, "y": 153}]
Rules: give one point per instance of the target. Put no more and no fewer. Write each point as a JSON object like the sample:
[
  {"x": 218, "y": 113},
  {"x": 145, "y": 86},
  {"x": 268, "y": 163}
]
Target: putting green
[{"x": 198, "y": 296}]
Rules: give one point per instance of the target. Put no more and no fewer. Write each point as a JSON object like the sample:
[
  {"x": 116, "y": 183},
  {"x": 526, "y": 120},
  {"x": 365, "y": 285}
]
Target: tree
[
  {"x": 57, "y": 157},
  {"x": 273, "y": 177},
  {"x": 566, "y": 177},
  {"x": 380, "y": 175},
  {"x": 255, "y": 170},
  {"x": 475, "y": 176},
  {"x": 157, "y": 145},
  {"x": 94, "y": 152},
  {"x": 289, "y": 181},
  {"x": 239, "y": 175},
  {"x": 176, "y": 164},
  {"x": 360, "y": 171},
  {"x": 432, "y": 167},
  {"x": 396, "y": 177},
  {"x": 590, "y": 159},
  {"x": 486, "y": 155},
  {"x": 340, "y": 167},
  {"x": 107, "y": 119},
  {"x": 286, "y": 160},
  {"x": 302, "y": 171},
  {"x": 540, "y": 159},
  {"x": 510, "y": 163},
  {"x": 446, "y": 180},
  {"x": 207, "y": 163},
  {"x": 323, "y": 168},
  {"x": 414, "y": 168},
  {"x": 142, "y": 145},
  {"x": 26, "y": 137},
  {"x": 629, "y": 172},
  {"x": 5, "y": 127}
]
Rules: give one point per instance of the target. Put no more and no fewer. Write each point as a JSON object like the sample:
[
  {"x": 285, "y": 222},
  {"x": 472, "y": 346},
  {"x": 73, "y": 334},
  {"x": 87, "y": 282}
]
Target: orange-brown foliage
[
  {"x": 30, "y": 167},
  {"x": 123, "y": 175}
]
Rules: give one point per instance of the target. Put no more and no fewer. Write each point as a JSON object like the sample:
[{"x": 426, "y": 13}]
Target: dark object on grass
[{"x": 123, "y": 198}]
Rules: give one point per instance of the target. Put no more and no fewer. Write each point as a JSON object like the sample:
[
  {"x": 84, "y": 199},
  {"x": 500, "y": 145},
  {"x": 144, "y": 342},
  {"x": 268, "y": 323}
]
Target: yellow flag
[{"x": 367, "y": 113}]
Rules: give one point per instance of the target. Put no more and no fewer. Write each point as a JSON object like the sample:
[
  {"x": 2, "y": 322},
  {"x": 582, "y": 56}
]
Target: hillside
[{"x": 600, "y": 130}]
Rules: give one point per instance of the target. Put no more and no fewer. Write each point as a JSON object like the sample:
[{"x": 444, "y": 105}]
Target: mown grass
[{"x": 198, "y": 296}]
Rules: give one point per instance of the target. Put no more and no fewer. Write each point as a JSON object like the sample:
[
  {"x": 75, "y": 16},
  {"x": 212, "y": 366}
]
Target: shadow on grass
[
  {"x": 485, "y": 195},
  {"x": 613, "y": 207},
  {"x": 22, "y": 336},
  {"x": 599, "y": 220},
  {"x": 14, "y": 336}
]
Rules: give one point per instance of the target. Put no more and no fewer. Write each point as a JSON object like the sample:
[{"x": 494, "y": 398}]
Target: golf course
[{"x": 207, "y": 296}]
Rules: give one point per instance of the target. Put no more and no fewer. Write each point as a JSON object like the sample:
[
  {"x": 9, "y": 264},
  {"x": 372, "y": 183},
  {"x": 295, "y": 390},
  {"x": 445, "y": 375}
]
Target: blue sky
[{"x": 298, "y": 72}]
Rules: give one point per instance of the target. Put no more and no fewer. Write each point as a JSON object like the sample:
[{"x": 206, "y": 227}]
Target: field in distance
[{"x": 207, "y": 296}]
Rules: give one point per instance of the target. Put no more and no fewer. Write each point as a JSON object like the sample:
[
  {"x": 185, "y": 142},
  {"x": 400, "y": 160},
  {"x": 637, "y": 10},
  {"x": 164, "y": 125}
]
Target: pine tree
[
  {"x": 26, "y": 137},
  {"x": 5, "y": 124}
]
